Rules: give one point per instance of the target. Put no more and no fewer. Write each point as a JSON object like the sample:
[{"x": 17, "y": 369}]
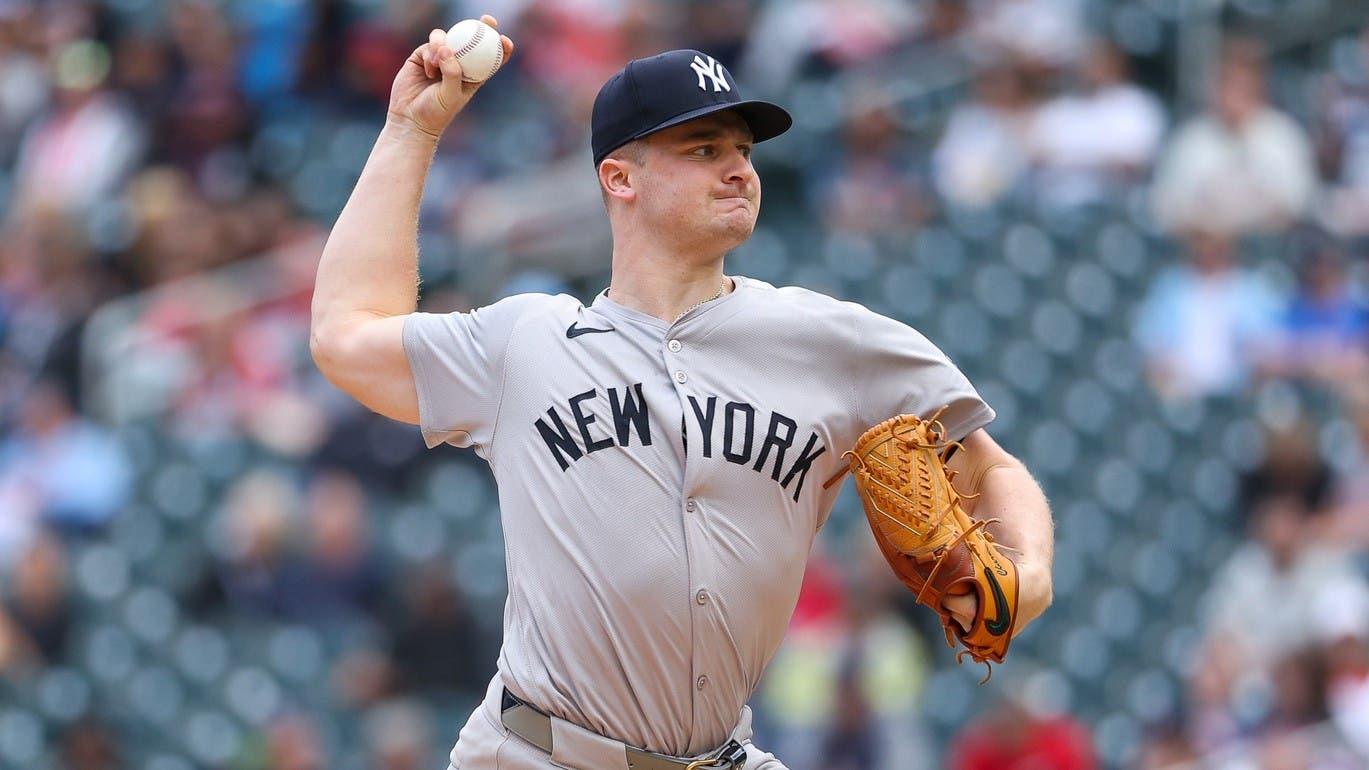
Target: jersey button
[
  {"x": 701, "y": 597},
  {"x": 681, "y": 377},
  {"x": 674, "y": 346},
  {"x": 689, "y": 505},
  {"x": 701, "y": 682}
]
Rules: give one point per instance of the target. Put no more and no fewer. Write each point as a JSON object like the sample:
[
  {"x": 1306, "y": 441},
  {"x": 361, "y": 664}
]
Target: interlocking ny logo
[{"x": 713, "y": 69}]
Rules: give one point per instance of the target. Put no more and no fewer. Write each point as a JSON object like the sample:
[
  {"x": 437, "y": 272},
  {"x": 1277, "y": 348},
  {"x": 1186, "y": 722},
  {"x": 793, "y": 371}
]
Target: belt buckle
[{"x": 732, "y": 755}]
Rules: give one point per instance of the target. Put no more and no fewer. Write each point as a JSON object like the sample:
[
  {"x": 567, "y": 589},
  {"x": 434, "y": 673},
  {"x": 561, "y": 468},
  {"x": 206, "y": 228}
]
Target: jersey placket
[{"x": 676, "y": 355}]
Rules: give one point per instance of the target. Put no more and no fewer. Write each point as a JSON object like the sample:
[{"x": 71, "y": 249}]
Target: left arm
[{"x": 995, "y": 485}]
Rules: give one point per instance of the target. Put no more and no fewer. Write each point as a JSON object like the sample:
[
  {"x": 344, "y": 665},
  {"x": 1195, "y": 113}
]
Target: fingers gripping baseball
[{"x": 432, "y": 87}]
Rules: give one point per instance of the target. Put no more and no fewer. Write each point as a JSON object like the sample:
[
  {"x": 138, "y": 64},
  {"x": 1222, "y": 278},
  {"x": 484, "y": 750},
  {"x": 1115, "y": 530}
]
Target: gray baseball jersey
[{"x": 661, "y": 484}]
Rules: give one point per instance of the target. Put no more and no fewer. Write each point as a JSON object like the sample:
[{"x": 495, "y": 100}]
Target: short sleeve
[
  {"x": 899, "y": 371},
  {"x": 457, "y": 360}
]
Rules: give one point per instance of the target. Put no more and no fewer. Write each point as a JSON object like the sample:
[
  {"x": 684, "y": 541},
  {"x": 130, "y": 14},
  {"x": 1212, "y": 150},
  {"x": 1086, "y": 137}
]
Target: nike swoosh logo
[
  {"x": 1003, "y": 620},
  {"x": 575, "y": 331}
]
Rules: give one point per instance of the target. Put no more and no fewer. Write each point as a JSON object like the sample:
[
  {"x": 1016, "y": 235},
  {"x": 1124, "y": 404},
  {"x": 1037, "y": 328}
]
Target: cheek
[
  {"x": 660, "y": 194},
  {"x": 679, "y": 196}
]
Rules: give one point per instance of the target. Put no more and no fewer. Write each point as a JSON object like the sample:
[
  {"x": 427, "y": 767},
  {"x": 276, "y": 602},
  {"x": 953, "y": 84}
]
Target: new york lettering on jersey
[{"x": 740, "y": 424}]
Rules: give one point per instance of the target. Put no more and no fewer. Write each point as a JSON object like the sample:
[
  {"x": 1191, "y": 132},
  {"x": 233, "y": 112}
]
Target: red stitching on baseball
[
  {"x": 498, "y": 57},
  {"x": 474, "y": 41}
]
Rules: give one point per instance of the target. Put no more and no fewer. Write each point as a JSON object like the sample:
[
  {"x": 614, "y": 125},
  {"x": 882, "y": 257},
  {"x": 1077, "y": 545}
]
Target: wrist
[{"x": 403, "y": 130}]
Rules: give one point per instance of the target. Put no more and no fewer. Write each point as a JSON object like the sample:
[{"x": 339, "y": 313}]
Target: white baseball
[{"x": 477, "y": 48}]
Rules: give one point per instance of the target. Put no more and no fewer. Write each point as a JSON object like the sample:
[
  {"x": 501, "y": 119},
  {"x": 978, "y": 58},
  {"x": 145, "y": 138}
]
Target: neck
[{"x": 663, "y": 285}]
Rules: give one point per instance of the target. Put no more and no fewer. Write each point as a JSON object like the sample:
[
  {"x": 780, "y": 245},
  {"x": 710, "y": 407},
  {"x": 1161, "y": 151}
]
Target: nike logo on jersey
[{"x": 575, "y": 331}]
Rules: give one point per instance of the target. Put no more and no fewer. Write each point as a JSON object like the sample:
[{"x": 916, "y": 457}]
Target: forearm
[
  {"x": 370, "y": 262},
  {"x": 1010, "y": 494}
]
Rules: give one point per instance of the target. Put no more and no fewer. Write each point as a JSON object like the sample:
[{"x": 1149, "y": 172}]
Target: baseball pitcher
[{"x": 661, "y": 453}]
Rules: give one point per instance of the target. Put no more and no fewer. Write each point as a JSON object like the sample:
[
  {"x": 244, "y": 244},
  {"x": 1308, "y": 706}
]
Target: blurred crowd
[
  {"x": 1272, "y": 681},
  {"x": 169, "y": 169}
]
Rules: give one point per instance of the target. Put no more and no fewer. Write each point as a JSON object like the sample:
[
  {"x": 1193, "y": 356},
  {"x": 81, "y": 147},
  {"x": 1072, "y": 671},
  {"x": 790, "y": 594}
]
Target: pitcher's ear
[{"x": 615, "y": 178}]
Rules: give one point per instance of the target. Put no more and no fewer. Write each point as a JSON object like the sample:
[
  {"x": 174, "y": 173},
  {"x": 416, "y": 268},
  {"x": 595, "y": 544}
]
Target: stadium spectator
[
  {"x": 338, "y": 576},
  {"x": 1209, "y": 720},
  {"x": 141, "y": 68},
  {"x": 822, "y": 37},
  {"x": 206, "y": 114},
  {"x": 1242, "y": 617},
  {"x": 24, "y": 84},
  {"x": 253, "y": 558},
  {"x": 39, "y": 605},
  {"x": 274, "y": 42},
  {"x": 16, "y": 649},
  {"x": 717, "y": 26},
  {"x": 852, "y": 741},
  {"x": 1291, "y": 466},
  {"x": 80, "y": 152},
  {"x": 362, "y": 677},
  {"x": 1297, "y": 688},
  {"x": 294, "y": 743},
  {"x": 90, "y": 744},
  {"x": 60, "y": 467},
  {"x": 1166, "y": 747},
  {"x": 879, "y": 664},
  {"x": 49, "y": 281},
  {"x": 1202, "y": 322},
  {"x": 399, "y": 735},
  {"x": 983, "y": 152},
  {"x": 1348, "y": 521},
  {"x": 1011, "y": 735},
  {"x": 438, "y": 644},
  {"x": 1097, "y": 136},
  {"x": 1241, "y": 167},
  {"x": 1347, "y": 679},
  {"x": 797, "y": 697},
  {"x": 568, "y": 44},
  {"x": 1343, "y": 141},
  {"x": 871, "y": 183},
  {"x": 1041, "y": 34},
  {"x": 1324, "y": 333}
]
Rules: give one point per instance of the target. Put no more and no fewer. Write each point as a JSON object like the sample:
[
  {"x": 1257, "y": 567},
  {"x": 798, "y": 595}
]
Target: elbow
[
  {"x": 318, "y": 332},
  {"x": 317, "y": 349},
  {"x": 324, "y": 348},
  {"x": 1035, "y": 591},
  {"x": 1038, "y": 593},
  {"x": 1047, "y": 599}
]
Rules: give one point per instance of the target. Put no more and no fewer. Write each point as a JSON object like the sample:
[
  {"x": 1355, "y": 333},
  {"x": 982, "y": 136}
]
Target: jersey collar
[{"x": 604, "y": 304}]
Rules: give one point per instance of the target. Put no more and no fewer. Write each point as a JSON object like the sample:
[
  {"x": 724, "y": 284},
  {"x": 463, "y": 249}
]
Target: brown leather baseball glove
[{"x": 934, "y": 547}]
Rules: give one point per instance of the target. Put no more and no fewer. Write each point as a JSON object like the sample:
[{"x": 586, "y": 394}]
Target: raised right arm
[{"x": 367, "y": 282}]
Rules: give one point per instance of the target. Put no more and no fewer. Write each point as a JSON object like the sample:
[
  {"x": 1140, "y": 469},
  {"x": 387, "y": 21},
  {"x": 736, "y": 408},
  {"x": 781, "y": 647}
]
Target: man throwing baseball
[{"x": 660, "y": 453}]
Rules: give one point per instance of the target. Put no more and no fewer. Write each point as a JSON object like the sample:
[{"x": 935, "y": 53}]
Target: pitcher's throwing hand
[{"x": 429, "y": 90}]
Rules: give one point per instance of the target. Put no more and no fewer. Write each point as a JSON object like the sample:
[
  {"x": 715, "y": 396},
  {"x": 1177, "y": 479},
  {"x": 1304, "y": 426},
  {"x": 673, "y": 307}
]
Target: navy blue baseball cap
[{"x": 667, "y": 89}]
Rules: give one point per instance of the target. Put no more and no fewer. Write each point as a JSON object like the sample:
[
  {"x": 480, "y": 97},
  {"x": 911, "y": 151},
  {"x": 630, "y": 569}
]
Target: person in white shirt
[
  {"x": 1087, "y": 140},
  {"x": 1243, "y": 166}
]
